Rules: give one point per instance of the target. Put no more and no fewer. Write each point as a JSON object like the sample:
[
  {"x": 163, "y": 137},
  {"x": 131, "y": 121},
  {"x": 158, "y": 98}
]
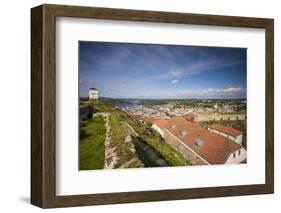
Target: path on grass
[
  {"x": 111, "y": 157},
  {"x": 132, "y": 131}
]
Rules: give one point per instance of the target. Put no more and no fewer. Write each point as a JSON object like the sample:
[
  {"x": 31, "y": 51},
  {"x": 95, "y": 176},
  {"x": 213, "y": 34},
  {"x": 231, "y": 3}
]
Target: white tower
[{"x": 93, "y": 93}]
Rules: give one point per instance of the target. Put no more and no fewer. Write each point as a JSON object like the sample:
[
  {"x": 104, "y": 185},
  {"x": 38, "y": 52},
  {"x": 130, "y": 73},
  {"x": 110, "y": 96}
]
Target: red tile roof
[
  {"x": 227, "y": 130},
  {"x": 215, "y": 149},
  {"x": 160, "y": 122},
  {"x": 189, "y": 117}
]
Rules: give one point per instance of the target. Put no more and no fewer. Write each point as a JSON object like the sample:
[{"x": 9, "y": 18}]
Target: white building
[
  {"x": 238, "y": 156},
  {"x": 159, "y": 125},
  {"x": 228, "y": 132},
  {"x": 93, "y": 93}
]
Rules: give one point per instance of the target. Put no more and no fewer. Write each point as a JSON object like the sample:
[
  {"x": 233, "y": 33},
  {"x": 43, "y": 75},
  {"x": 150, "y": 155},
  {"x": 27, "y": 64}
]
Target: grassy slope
[
  {"x": 117, "y": 133},
  {"x": 91, "y": 146},
  {"x": 153, "y": 139}
]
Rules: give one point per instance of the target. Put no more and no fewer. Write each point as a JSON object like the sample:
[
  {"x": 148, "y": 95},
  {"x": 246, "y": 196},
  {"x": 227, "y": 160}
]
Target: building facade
[
  {"x": 228, "y": 132},
  {"x": 238, "y": 156}
]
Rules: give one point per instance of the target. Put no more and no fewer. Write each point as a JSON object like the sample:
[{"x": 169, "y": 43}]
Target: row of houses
[
  {"x": 216, "y": 145},
  {"x": 214, "y": 116}
]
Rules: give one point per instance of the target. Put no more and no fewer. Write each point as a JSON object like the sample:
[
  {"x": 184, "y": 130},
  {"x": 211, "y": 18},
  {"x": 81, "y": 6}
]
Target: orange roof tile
[
  {"x": 189, "y": 116},
  {"x": 227, "y": 130},
  {"x": 160, "y": 122},
  {"x": 215, "y": 149}
]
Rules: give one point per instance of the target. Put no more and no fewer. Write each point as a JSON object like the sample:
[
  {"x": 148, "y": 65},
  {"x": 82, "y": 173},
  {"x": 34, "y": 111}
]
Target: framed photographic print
[{"x": 137, "y": 106}]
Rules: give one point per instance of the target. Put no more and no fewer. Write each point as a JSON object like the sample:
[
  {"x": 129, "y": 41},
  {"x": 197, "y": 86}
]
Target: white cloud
[
  {"x": 174, "y": 81},
  {"x": 222, "y": 91},
  {"x": 229, "y": 92},
  {"x": 200, "y": 66},
  {"x": 210, "y": 90},
  {"x": 176, "y": 73},
  {"x": 232, "y": 89}
]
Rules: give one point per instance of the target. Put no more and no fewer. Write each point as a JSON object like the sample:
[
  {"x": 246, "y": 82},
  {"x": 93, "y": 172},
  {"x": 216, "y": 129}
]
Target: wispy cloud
[
  {"x": 176, "y": 73},
  {"x": 233, "y": 89},
  {"x": 174, "y": 81},
  {"x": 230, "y": 92},
  {"x": 200, "y": 66}
]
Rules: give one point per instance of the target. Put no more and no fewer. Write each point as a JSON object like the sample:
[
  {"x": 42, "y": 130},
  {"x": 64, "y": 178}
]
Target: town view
[{"x": 147, "y": 105}]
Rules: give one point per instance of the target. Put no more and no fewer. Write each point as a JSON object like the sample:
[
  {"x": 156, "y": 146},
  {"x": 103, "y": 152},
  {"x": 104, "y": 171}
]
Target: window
[
  {"x": 234, "y": 155},
  {"x": 239, "y": 152},
  {"x": 183, "y": 133},
  {"x": 199, "y": 143}
]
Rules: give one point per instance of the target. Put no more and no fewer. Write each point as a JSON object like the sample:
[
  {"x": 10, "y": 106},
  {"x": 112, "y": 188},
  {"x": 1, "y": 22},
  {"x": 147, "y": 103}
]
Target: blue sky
[{"x": 124, "y": 70}]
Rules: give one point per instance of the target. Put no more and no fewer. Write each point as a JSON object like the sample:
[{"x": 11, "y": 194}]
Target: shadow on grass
[{"x": 83, "y": 134}]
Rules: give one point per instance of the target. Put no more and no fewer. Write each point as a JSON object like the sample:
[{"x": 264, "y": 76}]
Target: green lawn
[
  {"x": 117, "y": 132},
  {"x": 91, "y": 145}
]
